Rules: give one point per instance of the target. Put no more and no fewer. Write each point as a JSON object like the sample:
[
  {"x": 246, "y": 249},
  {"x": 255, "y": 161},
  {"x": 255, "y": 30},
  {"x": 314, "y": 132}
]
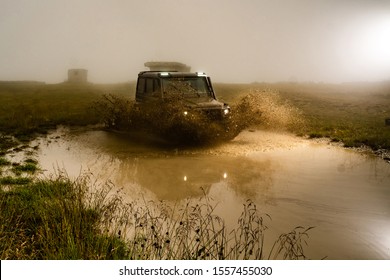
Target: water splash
[{"x": 168, "y": 119}]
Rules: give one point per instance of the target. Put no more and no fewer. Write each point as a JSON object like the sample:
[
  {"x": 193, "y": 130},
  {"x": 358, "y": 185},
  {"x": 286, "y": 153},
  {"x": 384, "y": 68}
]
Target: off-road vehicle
[{"x": 194, "y": 90}]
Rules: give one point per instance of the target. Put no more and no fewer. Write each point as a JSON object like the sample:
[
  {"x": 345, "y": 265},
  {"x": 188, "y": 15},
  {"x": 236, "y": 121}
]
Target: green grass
[
  {"x": 50, "y": 220},
  {"x": 63, "y": 219},
  {"x": 6, "y": 142},
  {"x": 353, "y": 116},
  {"x": 29, "y": 166},
  {"x": 26, "y": 167},
  {"x": 9, "y": 180},
  {"x": 4, "y": 162},
  {"x": 34, "y": 108}
]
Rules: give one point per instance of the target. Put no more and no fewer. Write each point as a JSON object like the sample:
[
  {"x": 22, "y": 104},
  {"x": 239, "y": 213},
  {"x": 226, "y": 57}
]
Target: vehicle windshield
[{"x": 192, "y": 87}]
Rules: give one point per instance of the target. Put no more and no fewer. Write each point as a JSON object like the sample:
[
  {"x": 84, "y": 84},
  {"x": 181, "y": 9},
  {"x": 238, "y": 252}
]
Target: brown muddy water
[{"x": 343, "y": 193}]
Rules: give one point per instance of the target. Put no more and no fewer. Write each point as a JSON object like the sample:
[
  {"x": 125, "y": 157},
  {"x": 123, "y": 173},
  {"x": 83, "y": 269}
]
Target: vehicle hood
[{"x": 204, "y": 103}]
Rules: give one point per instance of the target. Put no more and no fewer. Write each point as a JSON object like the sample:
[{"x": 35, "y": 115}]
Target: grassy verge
[
  {"x": 50, "y": 220},
  {"x": 349, "y": 114},
  {"x": 34, "y": 108},
  {"x": 63, "y": 219}
]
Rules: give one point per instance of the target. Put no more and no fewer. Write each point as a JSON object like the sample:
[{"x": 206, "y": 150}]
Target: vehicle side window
[
  {"x": 141, "y": 85},
  {"x": 152, "y": 86},
  {"x": 149, "y": 85},
  {"x": 156, "y": 85}
]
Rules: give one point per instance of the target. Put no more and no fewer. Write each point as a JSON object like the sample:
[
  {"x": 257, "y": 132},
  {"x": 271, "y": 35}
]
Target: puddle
[{"x": 345, "y": 195}]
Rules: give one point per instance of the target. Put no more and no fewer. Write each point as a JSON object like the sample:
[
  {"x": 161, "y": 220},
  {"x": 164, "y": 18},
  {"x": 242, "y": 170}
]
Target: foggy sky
[{"x": 233, "y": 41}]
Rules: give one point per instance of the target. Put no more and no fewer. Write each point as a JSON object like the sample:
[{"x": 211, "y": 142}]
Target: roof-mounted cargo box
[{"x": 167, "y": 66}]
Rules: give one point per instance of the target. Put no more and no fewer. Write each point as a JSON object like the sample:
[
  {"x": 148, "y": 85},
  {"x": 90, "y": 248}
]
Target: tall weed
[{"x": 63, "y": 219}]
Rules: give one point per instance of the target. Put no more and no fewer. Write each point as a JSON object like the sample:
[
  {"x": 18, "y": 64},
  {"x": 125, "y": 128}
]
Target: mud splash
[{"x": 255, "y": 108}]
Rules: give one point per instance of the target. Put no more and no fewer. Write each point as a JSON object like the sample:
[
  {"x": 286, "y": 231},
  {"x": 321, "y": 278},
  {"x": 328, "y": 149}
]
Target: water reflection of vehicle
[
  {"x": 177, "y": 178},
  {"x": 182, "y": 177}
]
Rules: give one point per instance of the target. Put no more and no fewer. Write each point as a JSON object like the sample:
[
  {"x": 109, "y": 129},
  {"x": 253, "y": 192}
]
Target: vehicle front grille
[{"x": 213, "y": 113}]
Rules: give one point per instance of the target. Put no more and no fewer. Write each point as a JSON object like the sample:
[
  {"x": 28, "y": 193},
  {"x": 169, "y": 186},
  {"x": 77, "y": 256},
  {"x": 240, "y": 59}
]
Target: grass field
[
  {"x": 60, "y": 219},
  {"x": 353, "y": 114},
  {"x": 26, "y": 109}
]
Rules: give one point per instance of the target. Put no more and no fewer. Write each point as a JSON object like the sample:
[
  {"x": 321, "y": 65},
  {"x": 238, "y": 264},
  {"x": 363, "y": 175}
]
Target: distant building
[
  {"x": 167, "y": 66},
  {"x": 79, "y": 76}
]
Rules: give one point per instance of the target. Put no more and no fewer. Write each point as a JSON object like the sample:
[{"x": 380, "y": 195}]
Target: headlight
[
  {"x": 226, "y": 111},
  {"x": 185, "y": 113}
]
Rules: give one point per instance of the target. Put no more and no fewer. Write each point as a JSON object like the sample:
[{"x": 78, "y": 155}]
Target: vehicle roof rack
[
  {"x": 167, "y": 66},
  {"x": 155, "y": 71}
]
